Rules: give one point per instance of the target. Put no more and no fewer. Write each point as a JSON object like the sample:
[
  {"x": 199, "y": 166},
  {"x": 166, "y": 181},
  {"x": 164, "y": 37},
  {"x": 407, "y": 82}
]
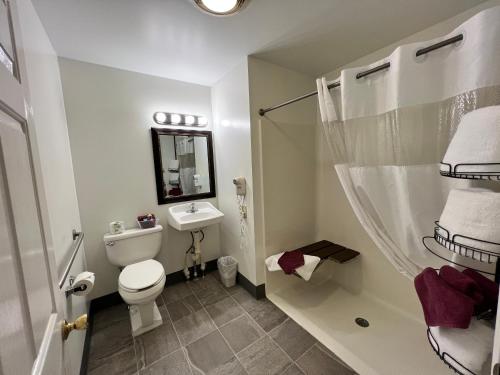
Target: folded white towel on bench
[{"x": 305, "y": 271}]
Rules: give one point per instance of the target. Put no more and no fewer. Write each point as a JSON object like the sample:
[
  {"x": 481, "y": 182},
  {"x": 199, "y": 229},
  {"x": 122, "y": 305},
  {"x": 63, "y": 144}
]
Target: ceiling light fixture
[
  {"x": 160, "y": 117},
  {"x": 202, "y": 120},
  {"x": 221, "y": 7},
  {"x": 178, "y": 119},
  {"x": 175, "y": 118}
]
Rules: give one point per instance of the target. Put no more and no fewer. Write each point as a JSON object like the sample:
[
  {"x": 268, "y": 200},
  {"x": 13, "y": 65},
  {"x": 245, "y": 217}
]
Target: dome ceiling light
[{"x": 221, "y": 7}]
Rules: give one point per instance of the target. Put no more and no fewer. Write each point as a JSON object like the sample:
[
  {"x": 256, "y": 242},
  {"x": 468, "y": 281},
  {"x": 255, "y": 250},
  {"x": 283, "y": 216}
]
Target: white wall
[
  {"x": 283, "y": 151},
  {"x": 276, "y": 157},
  {"x": 109, "y": 118},
  {"x": 52, "y": 142},
  {"x": 233, "y": 154},
  {"x": 336, "y": 221}
]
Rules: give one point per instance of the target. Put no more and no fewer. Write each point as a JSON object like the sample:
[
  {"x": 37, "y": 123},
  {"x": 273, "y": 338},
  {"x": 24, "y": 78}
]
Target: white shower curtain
[{"x": 388, "y": 132}]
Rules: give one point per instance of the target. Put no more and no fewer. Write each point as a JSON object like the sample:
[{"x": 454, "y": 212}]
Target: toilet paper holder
[
  {"x": 71, "y": 290},
  {"x": 80, "y": 285}
]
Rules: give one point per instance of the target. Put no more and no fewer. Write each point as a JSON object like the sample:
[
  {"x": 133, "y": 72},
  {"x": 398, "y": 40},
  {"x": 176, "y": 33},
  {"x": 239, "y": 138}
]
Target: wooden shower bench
[{"x": 329, "y": 250}]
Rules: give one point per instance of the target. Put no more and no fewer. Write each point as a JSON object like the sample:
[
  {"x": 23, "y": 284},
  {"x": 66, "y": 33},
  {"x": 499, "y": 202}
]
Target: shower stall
[{"x": 378, "y": 192}]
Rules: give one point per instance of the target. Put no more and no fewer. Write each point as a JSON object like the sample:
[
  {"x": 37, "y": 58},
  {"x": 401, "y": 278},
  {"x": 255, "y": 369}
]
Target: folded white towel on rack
[
  {"x": 473, "y": 213},
  {"x": 173, "y": 178},
  {"x": 468, "y": 350},
  {"x": 305, "y": 271},
  {"x": 197, "y": 180},
  {"x": 173, "y": 165},
  {"x": 476, "y": 141}
]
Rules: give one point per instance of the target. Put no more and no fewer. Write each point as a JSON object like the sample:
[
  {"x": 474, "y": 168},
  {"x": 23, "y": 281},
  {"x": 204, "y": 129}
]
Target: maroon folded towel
[
  {"x": 463, "y": 283},
  {"x": 443, "y": 305},
  {"x": 291, "y": 260},
  {"x": 489, "y": 289}
]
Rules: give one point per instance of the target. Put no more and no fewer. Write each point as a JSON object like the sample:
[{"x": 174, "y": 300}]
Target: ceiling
[{"x": 172, "y": 39}]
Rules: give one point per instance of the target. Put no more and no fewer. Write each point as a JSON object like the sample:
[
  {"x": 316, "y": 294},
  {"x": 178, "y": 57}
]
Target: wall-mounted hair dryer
[
  {"x": 241, "y": 191},
  {"x": 241, "y": 185}
]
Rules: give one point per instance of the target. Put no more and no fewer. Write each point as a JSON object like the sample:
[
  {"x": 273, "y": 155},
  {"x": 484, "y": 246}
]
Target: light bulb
[
  {"x": 189, "y": 120},
  {"x": 202, "y": 120},
  {"x": 220, "y": 6},
  {"x": 175, "y": 118},
  {"x": 160, "y": 117}
]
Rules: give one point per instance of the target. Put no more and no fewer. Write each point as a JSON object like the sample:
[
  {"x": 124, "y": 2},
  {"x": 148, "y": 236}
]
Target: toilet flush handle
[{"x": 110, "y": 243}]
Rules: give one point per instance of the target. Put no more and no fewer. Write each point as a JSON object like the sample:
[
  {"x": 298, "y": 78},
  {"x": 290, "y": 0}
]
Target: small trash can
[{"x": 228, "y": 266}]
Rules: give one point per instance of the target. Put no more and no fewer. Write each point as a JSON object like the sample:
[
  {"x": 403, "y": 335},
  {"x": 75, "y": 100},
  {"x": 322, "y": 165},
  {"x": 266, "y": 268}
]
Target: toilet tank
[{"x": 133, "y": 245}]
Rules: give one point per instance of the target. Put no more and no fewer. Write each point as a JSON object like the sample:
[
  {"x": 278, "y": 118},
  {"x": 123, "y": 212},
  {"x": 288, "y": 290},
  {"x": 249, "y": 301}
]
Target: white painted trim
[{"x": 12, "y": 93}]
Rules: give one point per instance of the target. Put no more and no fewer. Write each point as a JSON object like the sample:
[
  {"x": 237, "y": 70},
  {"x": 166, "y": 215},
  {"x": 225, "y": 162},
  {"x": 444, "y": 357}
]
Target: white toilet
[{"x": 142, "y": 278}]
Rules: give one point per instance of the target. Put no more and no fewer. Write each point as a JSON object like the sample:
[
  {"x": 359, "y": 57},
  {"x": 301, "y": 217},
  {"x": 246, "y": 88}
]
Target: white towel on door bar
[
  {"x": 305, "y": 271},
  {"x": 471, "y": 348}
]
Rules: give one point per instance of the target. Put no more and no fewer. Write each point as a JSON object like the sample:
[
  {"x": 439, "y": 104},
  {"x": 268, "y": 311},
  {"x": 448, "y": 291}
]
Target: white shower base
[{"x": 393, "y": 344}]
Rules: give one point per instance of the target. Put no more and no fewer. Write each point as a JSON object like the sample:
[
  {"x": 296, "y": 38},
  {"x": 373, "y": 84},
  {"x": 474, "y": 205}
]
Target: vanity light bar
[{"x": 166, "y": 118}]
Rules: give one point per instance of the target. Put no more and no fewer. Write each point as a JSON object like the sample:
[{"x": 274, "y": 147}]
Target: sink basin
[{"x": 180, "y": 217}]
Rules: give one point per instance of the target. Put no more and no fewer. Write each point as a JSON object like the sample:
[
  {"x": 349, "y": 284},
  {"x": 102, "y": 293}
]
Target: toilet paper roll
[{"x": 85, "y": 281}]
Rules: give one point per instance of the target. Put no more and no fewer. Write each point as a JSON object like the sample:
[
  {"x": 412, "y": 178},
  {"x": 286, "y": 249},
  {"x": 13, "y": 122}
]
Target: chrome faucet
[{"x": 192, "y": 208}]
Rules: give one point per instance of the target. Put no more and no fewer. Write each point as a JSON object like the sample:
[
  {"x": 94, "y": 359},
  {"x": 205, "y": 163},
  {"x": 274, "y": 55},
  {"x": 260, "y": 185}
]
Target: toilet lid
[{"x": 141, "y": 275}]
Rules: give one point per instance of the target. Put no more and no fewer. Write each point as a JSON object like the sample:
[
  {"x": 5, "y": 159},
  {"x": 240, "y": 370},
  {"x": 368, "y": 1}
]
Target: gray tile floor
[{"x": 209, "y": 329}]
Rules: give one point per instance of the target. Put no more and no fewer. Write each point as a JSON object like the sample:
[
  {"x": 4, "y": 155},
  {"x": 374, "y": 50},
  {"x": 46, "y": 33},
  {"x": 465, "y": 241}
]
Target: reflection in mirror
[
  {"x": 183, "y": 164},
  {"x": 186, "y": 162}
]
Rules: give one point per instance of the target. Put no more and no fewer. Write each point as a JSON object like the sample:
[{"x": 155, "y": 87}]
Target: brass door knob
[{"x": 79, "y": 324}]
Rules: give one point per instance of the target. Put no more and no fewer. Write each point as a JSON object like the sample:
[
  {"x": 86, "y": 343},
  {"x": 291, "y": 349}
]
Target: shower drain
[{"x": 362, "y": 322}]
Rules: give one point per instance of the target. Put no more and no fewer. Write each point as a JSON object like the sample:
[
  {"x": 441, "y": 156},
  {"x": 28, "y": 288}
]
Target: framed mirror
[{"x": 184, "y": 164}]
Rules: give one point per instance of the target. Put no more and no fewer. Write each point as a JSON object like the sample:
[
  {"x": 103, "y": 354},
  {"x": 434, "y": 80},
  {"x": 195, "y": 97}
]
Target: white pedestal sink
[{"x": 194, "y": 217}]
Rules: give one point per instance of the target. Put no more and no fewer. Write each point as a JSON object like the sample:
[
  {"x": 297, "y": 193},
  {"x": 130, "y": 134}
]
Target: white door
[{"x": 30, "y": 300}]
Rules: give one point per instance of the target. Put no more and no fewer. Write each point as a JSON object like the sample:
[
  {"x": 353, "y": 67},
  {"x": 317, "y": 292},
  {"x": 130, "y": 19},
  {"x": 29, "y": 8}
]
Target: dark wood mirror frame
[{"x": 155, "y": 136}]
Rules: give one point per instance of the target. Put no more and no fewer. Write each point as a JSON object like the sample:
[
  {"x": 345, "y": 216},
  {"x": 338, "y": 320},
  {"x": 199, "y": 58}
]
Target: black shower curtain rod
[{"x": 384, "y": 66}]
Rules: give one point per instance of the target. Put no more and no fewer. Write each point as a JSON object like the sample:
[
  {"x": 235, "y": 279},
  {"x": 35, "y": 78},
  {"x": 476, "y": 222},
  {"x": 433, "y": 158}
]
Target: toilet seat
[{"x": 141, "y": 276}]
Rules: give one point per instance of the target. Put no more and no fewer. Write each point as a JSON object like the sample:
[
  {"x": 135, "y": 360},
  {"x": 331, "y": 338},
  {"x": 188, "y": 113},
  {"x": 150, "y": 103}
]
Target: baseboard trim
[{"x": 257, "y": 291}]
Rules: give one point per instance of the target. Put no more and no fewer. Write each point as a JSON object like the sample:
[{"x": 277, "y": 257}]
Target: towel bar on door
[{"x": 77, "y": 241}]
